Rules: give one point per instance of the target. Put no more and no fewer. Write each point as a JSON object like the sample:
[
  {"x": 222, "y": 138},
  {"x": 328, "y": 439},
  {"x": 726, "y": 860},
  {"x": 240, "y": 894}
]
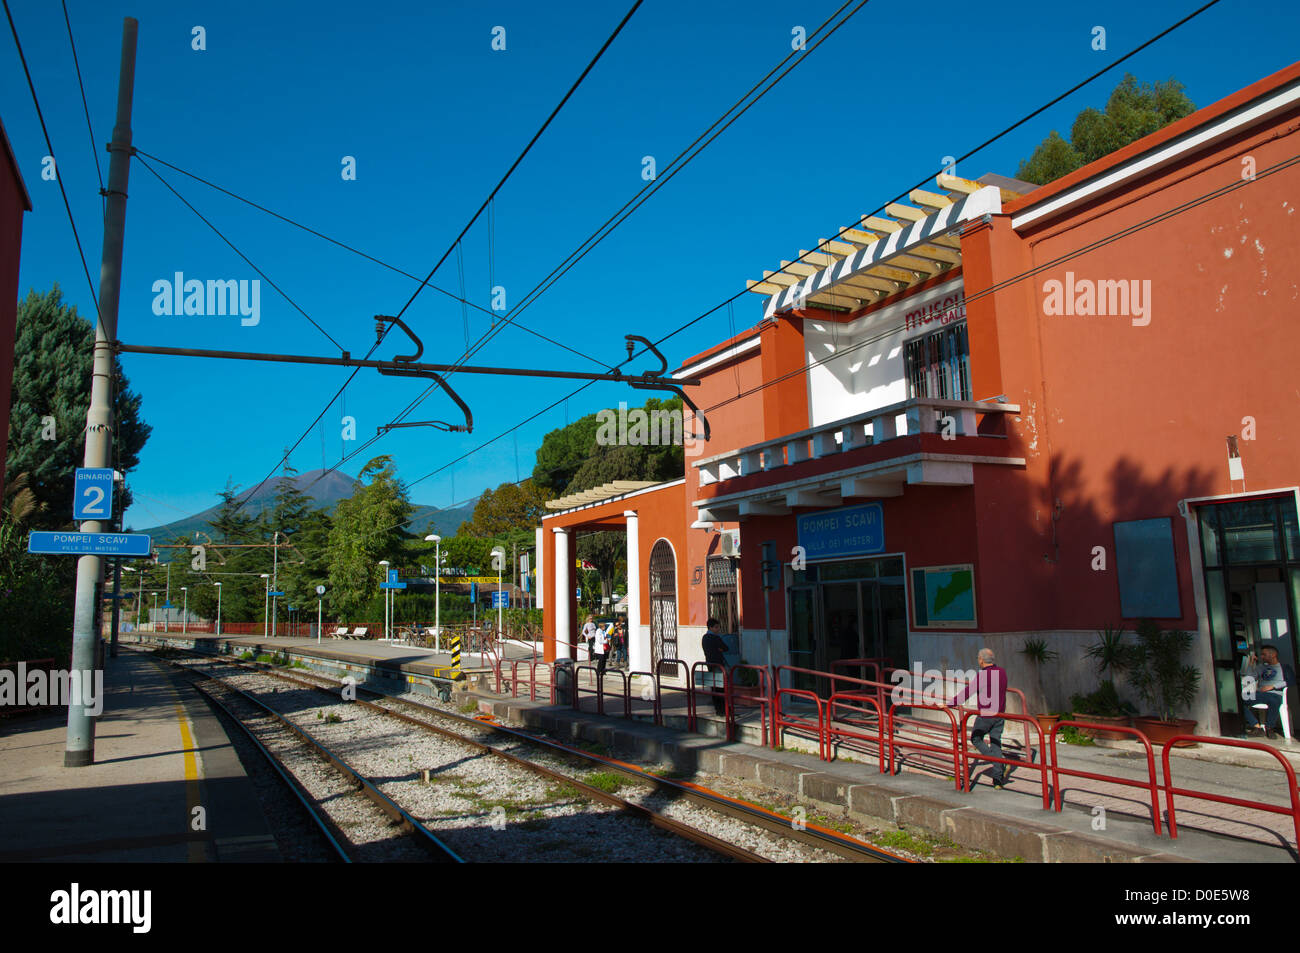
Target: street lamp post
[
  {"x": 218, "y": 585},
  {"x": 275, "y": 569},
  {"x": 384, "y": 563},
  {"x": 499, "y": 557},
  {"x": 266, "y": 609},
  {"x": 153, "y": 615},
  {"x": 437, "y": 587},
  {"x": 167, "y": 602},
  {"x": 185, "y": 611}
]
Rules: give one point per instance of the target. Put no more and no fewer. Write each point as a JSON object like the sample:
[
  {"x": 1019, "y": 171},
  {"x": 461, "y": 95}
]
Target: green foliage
[
  {"x": 1133, "y": 110},
  {"x": 366, "y": 528},
  {"x": 35, "y": 600},
  {"x": 1158, "y": 672},
  {"x": 1036, "y": 650},
  {"x": 53, "y": 356},
  {"x": 1104, "y": 701},
  {"x": 571, "y": 459},
  {"x": 1111, "y": 653},
  {"x": 606, "y": 781},
  {"x": 1073, "y": 736},
  {"x": 511, "y": 510}
]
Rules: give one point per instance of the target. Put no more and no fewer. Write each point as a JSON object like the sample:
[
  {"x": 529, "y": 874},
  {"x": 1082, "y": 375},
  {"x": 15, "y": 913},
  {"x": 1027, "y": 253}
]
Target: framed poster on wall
[{"x": 943, "y": 597}]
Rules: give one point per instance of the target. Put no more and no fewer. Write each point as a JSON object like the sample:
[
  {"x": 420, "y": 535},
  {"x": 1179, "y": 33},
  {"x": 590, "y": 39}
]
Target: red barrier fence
[
  {"x": 1152, "y": 785},
  {"x": 1170, "y": 790},
  {"x": 1040, "y": 767}
]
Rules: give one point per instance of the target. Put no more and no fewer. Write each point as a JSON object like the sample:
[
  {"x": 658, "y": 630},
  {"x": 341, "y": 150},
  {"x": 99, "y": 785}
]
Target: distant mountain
[{"x": 325, "y": 490}]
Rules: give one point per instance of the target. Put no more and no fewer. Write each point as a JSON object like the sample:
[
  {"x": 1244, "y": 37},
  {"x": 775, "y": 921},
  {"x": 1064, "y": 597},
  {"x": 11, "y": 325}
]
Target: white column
[
  {"x": 563, "y": 593},
  {"x": 540, "y": 589},
  {"x": 638, "y": 641}
]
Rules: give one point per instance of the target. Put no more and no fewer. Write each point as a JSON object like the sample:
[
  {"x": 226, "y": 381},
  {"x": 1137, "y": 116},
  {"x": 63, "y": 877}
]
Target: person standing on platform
[
  {"x": 715, "y": 648},
  {"x": 990, "y": 688},
  {"x": 601, "y": 650},
  {"x": 589, "y": 635}
]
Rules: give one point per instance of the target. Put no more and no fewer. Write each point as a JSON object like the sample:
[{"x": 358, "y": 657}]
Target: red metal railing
[
  {"x": 856, "y": 726},
  {"x": 1040, "y": 766},
  {"x": 762, "y": 700},
  {"x": 953, "y": 748},
  {"x": 722, "y": 694},
  {"x": 1170, "y": 790},
  {"x": 1152, "y": 784},
  {"x": 688, "y": 688},
  {"x": 781, "y": 719}
]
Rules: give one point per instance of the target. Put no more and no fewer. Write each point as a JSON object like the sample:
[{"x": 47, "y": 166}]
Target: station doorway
[
  {"x": 1250, "y": 550},
  {"x": 847, "y": 609}
]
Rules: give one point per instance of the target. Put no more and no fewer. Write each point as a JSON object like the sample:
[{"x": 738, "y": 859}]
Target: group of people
[{"x": 605, "y": 643}]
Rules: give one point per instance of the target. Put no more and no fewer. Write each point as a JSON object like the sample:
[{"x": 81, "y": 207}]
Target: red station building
[{"x": 999, "y": 412}]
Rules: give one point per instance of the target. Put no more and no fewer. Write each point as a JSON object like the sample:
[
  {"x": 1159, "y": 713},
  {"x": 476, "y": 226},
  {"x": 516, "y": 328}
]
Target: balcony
[{"x": 923, "y": 441}]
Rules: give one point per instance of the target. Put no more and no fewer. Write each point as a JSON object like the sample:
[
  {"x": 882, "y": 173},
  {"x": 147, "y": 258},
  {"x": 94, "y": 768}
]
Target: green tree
[
  {"x": 367, "y": 527},
  {"x": 1133, "y": 110},
  {"x": 53, "y": 355},
  {"x": 510, "y": 510}
]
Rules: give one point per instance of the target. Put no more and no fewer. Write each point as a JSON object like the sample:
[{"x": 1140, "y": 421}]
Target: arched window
[{"x": 663, "y": 603}]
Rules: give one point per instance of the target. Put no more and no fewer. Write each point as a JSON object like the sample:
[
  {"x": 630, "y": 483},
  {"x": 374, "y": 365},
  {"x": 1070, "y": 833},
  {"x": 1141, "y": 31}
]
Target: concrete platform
[
  {"x": 1010, "y": 823},
  {"x": 159, "y": 753}
]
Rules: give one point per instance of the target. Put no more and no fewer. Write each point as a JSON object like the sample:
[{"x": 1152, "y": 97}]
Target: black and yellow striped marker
[{"x": 455, "y": 657}]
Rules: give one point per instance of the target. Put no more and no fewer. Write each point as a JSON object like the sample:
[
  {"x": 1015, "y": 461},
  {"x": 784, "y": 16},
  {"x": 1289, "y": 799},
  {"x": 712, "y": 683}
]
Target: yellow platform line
[{"x": 197, "y": 855}]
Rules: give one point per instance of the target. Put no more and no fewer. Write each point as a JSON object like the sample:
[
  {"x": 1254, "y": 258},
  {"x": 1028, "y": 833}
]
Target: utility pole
[
  {"x": 79, "y": 750},
  {"x": 275, "y": 570}
]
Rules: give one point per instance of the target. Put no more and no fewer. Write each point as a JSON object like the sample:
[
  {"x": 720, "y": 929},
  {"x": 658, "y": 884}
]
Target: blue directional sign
[
  {"x": 274, "y": 593},
  {"x": 392, "y": 575},
  {"x": 473, "y": 592},
  {"x": 848, "y": 531},
  {"x": 392, "y": 585},
  {"x": 500, "y": 599},
  {"x": 88, "y": 544},
  {"x": 168, "y": 605},
  {"x": 92, "y": 494}
]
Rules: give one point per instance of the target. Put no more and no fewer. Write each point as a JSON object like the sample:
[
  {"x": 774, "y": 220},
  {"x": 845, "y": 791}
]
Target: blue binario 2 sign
[{"x": 851, "y": 531}]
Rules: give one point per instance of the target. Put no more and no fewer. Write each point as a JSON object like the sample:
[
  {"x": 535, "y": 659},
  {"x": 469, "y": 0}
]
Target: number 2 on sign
[{"x": 94, "y": 501}]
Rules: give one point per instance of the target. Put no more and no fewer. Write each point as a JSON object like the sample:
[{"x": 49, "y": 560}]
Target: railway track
[
  {"x": 722, "y": 849},
  {"x": 340, "y": 845},
  {"x": 663, "y": 789}
]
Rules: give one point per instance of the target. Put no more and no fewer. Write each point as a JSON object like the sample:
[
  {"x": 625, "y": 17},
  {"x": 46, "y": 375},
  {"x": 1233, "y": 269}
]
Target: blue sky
[{"x": 433, "y": 116}]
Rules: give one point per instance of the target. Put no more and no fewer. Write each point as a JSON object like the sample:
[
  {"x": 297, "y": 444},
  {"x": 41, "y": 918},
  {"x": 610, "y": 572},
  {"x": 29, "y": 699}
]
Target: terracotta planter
[
  {"x": 1047, "y": 723},
  {"x": 1158, "y": 732},
  {"x": 1103, "y": 734}
]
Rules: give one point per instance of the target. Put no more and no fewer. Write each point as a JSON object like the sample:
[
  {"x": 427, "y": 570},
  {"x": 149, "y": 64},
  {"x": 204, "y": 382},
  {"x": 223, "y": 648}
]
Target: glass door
[{"x": 803, "y": 639}]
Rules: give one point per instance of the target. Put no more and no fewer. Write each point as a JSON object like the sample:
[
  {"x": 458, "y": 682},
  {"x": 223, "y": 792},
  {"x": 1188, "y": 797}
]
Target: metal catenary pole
[{"x": 79, "y": 750}]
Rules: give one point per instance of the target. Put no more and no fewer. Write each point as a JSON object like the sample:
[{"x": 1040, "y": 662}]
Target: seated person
[{"x": 1271, "y": 680}]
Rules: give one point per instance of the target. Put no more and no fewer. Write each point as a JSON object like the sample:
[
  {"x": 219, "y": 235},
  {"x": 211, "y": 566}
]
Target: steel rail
[
  {"x": 811, "y": 835},
  {"x": 324, "y": 826},
  {"x": 425, "y": 838}
]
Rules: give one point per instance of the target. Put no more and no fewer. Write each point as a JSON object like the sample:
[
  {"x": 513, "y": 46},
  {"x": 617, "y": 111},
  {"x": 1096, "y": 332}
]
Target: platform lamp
[
  {"x": 266, "y": 609},
  {"x": 218, "y": 585},
  {"x": 437, "y": 587},
  {"x": 384, "y": 563},
  {"x": 185, "y": 610},
  {"x": 153, "y": 615},
  {"x": 498, "y": 561}
]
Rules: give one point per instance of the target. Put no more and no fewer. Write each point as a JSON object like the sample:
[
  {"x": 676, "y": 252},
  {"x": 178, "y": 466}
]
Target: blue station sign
[
  {"x": 850, "y": 531},
  {"x": 92, "y": 494},
  {"x": 73, "y": 543},
  {"x": 500, "y": 599}
]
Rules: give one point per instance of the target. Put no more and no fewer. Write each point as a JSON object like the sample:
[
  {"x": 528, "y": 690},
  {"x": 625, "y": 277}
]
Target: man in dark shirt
[
  {"x": 715, "y": 648},
  {"x": 990, "y": 688}
]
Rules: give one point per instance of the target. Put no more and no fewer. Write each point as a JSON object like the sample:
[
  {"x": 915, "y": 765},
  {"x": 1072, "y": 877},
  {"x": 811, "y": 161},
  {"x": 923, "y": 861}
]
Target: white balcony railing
[{"x": 956, "y": 418}]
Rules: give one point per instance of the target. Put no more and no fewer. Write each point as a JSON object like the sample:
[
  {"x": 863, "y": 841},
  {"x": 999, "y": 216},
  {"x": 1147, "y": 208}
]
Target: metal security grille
[
  {"x": 938, "y": 365},
  {"x": 663, "y": 603},
  {"x": 723, "y": 604}
]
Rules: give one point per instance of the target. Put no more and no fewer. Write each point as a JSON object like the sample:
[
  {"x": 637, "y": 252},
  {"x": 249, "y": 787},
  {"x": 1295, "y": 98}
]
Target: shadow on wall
[{"x": 1070, "y": 564}]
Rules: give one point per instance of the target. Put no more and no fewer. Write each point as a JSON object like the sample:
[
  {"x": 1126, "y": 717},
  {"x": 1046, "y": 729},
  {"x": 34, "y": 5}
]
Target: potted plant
[
  {"x": 1103, "y": 707},
  {"x": 1113, "y": 657},
  {"x": 1164, "y": 681},
  {"x": 1036, "y": 650}
]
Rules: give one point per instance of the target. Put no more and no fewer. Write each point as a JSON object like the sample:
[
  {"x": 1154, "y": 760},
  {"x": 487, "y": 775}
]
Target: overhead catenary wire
[
  {"x": 58, "y": 175},
  {"x": 992, "y": 289},
  {"x": 94, "y": 152},
  {"x": 462, "y": 298},
  {"x": 425, "y": 282}
]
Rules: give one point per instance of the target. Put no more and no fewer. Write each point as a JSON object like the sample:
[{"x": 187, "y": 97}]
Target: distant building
[{"x": 998, "y": 412}]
